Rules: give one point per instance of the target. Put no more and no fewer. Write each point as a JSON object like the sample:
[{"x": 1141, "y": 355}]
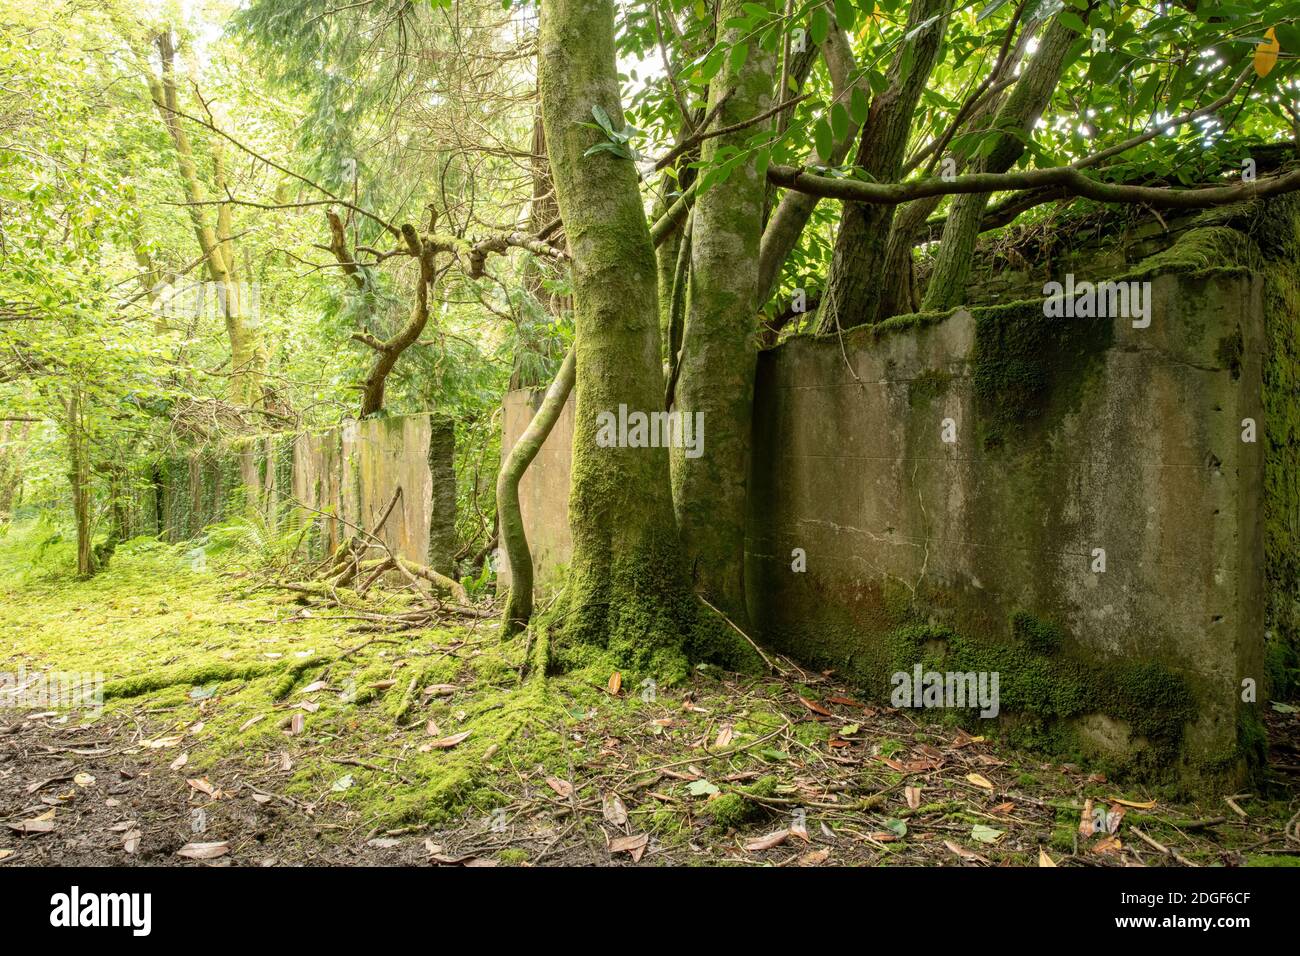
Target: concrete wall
[
  {"x": 1070, "y": 435},
  {"x": 544, "y": 489},
  {"x": 351, "y": 473}
]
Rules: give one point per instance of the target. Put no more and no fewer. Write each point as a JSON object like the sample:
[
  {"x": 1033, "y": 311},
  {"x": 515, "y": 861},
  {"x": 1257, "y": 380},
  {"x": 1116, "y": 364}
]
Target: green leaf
[
  {"x": 1073, "y": 21},
  {"x": 839, "y": 121},
  {"x": 824, "y": 139},
  {"x": 988, "y": 11},
  {"x": 602, "y": 118},
  {"x": 897, "y": 827},
  {"x": 701, "y": 788},
  {"x": 845, "y": 14},
  {"x": 821, "y": 26},
  {"x": 739, "y": 54},
  {"x": 986, "y": 834},
  {"x": 859, "y": 105}
]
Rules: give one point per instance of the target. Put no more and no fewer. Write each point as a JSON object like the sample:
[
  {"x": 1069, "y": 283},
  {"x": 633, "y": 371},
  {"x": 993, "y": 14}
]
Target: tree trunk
[
  {"x": 628, "y": 589},
  {"x": 1016, "y": 119},
  {"x": 719, "y": 348},
  {"x": 514, "y": 540},
  {"x": 853, "y": 285},
  {"x": 79, "y": 482}
]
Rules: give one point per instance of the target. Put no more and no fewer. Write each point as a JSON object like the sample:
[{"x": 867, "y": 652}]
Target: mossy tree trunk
[
  {"x": 1016, "y": 121},
  {"x": 719, "y": 347},
  {"x": 628, "y": 588},
  {"x": 514, "y": 539},
  {"x": 79, "y": 478},
  {"x": 853, "y": 286}
]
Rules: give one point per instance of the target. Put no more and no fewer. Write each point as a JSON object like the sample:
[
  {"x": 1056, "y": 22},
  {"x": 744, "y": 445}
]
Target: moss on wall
[{"x": 1028, "y": 367}]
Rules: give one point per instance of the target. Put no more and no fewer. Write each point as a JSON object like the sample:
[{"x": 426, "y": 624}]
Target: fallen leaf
[
  {"x": 439, "y": 690},
  {"x": 1148, "y": 805},
  {"x": 964, "y": 853},
  {"x": 250, "y": 722},
  {"x": 384, "y": 843},
  {"x": 204, "y": 851},
  {"x": 309, "y": 705},
  {"x": 633, "y": 845},
  {"x": 980, "y": 780},
  {"x": 913, "y": 795},
  {"x": 815, "y": 707},
  {"x": 724, "y": 737},
  {"x": 1113, "y": 819},
  {"x": 432, "y": 729},
  {"x": 201, "y": 784},
  {"x": 767, "y": 842},
  {"x": 701, "y": 788},
  {"x": 296, "y": 723},
  {"x": 562, "y": 787},
  {"x": 1003, "y": 807},
  {"x": 615, "y": 810},
  {"x": 313, "y": 687},
  {"x": 814, "y": 857},
  {"x": 446, "y": 743},
  {"x": 342, "y": 783},
  {"x": 131, "y": 841},
  {"x": 1044, "y": 859},
  {"x": 615, "y": 683},
  {"x": 40, "y": 824},
  {"x": 5, "y": 854},
  {"x": 843, "y": 701},
  {"x": 986, "y": 834},
  {"x": 84, "y": 779},
  {"x": 180, "y": 761},
  {"x": 1108, "y": 845}
]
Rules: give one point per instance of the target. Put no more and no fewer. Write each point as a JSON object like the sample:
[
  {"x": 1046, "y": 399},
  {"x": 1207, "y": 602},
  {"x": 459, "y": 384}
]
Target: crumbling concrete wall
[
  {"x": 544, "y": 489},
  {"x": 1067, "y": 501},
  {"x": 350, "y": 474}
]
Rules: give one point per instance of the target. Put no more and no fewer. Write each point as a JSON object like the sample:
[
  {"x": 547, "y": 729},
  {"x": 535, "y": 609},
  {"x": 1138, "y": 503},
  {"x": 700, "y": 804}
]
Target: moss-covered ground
[{"x": 236, "y": 714}]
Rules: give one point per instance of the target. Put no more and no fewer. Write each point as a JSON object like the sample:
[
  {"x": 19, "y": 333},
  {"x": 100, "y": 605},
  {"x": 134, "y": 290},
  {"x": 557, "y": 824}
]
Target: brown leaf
[
  {"x": 204, "y": 851},
  {"x": 313, "y": 687},
  {"x": 131, "y": 841},
  {"x": 41, "y": 824},
  {"x": 634, "y": 845},
  {"x": 432, "y": 729},
  {"x": 562, "y": 787},
  {"x": 1113, "y": 818},
  {"x": 814, "y": 857},
  {"x": 180, "y": 761},
  {"x": 296, "y": 723},
  {"x": 964, "y": 853},
  {"x": 251, "y": 721},
  {"x": 724, "y": 737},
  {"x": 1108, "y": 845},
  {"x": 446, "y": 743},
  {"x": 615, "y": 683},
  {"x": 1003, "y": 807},
  {"x": 980, "y": 780},
  {"x": 913, "y": 795},
  {"x": 201, "y": 784},
  {"x": 815, "y": 707},
  {"x": 843, "y": 701},
  {"x": 615, "y": 810},
  {"x": 1044, "y": 859},
  {"x": 439, "y": 690},
  {"x": 767, "y": 842}
]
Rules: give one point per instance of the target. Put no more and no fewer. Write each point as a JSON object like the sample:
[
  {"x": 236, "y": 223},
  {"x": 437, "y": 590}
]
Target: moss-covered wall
[
  {"x": 350, "y": 473},
  {"x": 1069, "y": 435}
]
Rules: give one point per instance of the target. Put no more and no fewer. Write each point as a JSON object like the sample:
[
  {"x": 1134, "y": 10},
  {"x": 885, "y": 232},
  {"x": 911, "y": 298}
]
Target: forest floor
[{"x": 240, "y": 727}]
